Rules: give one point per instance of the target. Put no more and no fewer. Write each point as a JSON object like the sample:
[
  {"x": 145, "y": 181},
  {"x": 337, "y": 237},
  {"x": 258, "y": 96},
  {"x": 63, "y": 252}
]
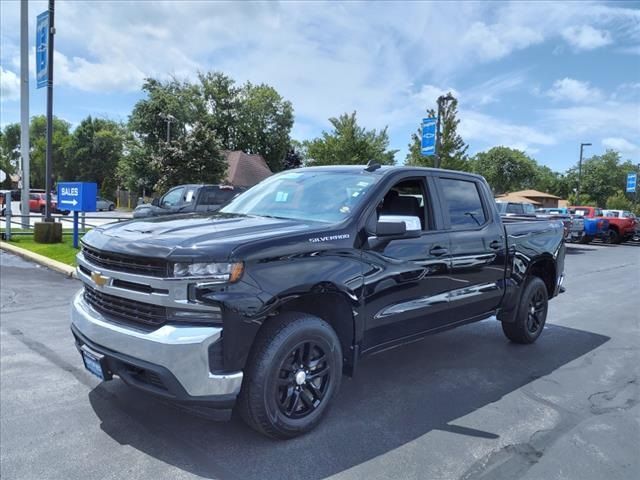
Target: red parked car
[
  {"x": 37, "y": 203},
  {"x": 620, "y": 229}
]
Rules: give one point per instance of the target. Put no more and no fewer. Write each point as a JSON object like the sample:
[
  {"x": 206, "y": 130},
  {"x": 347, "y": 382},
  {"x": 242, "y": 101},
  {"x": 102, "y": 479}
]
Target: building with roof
[
  {"x": 538, "y": 199},
  {"x": 245, "y": 170}
]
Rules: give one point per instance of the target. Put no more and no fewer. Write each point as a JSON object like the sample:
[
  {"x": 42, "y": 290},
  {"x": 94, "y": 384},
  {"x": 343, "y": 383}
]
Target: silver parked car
[{"x": 102, "y": 204}]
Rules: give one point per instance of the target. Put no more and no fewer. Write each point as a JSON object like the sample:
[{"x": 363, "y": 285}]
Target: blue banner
[
  {"x": 428, "y": 143},
  {"x": 42, "y": 49},
  {"x": 632, "y": 182}
]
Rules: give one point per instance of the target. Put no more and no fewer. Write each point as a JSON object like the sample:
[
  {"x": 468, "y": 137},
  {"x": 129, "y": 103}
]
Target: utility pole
[
  {"x": 441, "y": 104},
  {"x": 24, "y": 110},
  {"x": 49, "y": 163},
  {"x": 582, "y": 145}
]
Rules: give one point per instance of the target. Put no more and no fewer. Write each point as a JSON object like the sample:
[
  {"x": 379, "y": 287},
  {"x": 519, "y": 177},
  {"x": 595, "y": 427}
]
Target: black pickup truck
[{"x": 265, "y": 304}]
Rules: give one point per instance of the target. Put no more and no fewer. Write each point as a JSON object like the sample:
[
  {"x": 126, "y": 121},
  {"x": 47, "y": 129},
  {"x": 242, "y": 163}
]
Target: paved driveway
[{"x": 465, "y": 404}]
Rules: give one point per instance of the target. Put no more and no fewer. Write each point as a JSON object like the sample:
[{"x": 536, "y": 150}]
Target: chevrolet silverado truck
[{"x": 265, "y": 304}]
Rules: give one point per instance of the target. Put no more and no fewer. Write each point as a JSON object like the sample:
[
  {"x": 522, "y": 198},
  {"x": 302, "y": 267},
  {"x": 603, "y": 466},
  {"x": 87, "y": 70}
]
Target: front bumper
[{"x": 172, "y": 361}]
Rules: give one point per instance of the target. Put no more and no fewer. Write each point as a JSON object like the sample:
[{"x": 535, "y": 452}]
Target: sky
[{"x": 538, "y": 76}]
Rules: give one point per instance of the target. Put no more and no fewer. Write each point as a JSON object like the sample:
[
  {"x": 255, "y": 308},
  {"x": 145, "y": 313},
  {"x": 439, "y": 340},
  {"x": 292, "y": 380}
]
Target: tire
[
  {"x": 112, "y": 207},
  {"x": 586, "y": 239},
  {"x": 531, "y": 315},
  {"x": 276, "y": 399},
  {"x": 613, "y": 237},
  {"x": 42, "y": 210}
]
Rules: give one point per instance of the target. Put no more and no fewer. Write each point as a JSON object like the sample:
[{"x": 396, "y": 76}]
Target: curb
[{"x": 59, "y": 267}]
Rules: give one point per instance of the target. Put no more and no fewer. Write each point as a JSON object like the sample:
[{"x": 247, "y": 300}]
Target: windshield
[{"x": 328, "y": 197}]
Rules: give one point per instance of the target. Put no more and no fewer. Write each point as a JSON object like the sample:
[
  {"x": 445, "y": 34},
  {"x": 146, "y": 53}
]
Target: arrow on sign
[{"x": 70, "y": 202}]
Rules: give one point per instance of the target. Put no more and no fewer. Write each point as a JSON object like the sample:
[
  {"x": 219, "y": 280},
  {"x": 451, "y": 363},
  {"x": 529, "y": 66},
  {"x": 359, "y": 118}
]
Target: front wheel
[
  {"x": 112, "y": 207},
  {"x": 532, "y": 313},
  {"x": 293, "y": 373},
  {"x": 612, "y": 237}
]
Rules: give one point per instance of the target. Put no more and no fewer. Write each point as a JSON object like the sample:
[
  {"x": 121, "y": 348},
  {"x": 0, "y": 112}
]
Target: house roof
[
  {"x": 510, "y": 197},
  {"x": 533, "y": 193},
  {"x": 246, "y": 170}
]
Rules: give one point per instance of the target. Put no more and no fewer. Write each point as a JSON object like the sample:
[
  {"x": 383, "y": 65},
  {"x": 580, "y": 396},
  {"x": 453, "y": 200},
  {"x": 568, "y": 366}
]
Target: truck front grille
[
  {"x": 130, "y": 311},
  {"x": 124, "y": 263}
]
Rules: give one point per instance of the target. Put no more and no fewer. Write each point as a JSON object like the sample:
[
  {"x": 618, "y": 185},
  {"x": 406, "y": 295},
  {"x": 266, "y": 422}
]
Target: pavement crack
[{"x": 621, "y": 397}]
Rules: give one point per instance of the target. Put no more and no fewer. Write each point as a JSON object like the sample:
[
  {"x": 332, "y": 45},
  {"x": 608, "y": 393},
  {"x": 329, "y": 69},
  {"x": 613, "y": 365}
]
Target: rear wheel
[
  {"x": 293, "y": 373},
  {"x": 42, "y": 210},
  {"x": 112, "y": 207},
  {"x": 532, "y": 313},
  {"x": 613, "y": 236}
]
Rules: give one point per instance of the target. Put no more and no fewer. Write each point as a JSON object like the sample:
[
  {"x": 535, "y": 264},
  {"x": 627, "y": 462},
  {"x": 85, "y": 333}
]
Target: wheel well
[
  {"x": 334, "y": 309},
  {"x": 545, "y": 269}
]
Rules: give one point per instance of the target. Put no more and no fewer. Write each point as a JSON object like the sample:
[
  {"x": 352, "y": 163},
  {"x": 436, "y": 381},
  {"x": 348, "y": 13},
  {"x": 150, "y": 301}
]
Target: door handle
[
  {"x": 495, "y": 245},
  {"x": 438, "y": 251}
]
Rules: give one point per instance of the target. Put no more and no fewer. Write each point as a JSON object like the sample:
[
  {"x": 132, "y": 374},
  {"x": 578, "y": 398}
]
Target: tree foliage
[
  {"x": 453, "y": 150},
  {"x": 349, "y": 144},
  {"x": 506, "y": 169},
  {"x": 602, "y": 176},
  {"x": 619, "y": 201},
  {"x": 93, "y": 152}
]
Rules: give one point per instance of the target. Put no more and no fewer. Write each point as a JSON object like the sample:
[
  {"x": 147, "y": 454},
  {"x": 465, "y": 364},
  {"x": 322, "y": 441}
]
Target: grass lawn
[{"x": 62, "y": 252}]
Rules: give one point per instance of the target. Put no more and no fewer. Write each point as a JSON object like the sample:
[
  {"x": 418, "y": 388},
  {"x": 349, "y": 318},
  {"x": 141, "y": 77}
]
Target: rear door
[{"x": 477, "y": 248}]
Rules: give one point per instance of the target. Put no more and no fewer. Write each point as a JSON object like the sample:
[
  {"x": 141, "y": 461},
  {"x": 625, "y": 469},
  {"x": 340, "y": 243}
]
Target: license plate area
[{"x": 95, "y": 363}]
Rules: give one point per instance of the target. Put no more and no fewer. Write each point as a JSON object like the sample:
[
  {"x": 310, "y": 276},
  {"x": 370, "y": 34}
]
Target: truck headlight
[{"x": 213, "y": 272}]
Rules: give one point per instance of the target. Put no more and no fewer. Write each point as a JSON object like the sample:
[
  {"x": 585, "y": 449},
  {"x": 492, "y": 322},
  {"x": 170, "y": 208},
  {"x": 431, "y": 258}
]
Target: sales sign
[{"x": 428, "y": 143}]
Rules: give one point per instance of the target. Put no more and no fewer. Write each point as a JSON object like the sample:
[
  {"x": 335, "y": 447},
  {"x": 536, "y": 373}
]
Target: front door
[{"x": 406, "y": 282}]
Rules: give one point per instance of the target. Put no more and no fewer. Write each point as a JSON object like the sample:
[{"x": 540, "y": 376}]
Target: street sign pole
[{"x": 49, "y": 162}]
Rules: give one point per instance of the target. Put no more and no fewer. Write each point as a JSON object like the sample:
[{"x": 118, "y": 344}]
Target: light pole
[
  {"x": 582, "y": 145},
  {"x": 441, "y": 103},
  {"x": 169, "y": 118}
]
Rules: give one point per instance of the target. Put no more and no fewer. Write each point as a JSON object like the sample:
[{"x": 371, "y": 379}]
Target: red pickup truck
[{"x": 620, "y": 229}]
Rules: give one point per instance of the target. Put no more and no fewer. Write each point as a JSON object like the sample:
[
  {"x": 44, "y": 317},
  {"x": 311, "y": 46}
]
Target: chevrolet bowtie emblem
[{"x": 99, "y": 279}]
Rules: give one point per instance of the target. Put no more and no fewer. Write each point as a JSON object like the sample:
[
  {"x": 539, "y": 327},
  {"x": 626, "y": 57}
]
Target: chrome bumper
[{"x": 183, "y": 351}]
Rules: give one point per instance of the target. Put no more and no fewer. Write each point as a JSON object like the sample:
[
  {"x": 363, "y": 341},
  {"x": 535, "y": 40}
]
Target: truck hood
[{"x": 192, "y": 236}]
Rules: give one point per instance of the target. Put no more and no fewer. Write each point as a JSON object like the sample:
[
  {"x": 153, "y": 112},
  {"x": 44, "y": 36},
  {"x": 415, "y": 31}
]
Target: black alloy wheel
[
  {"x": 531, "y": 316},
  {"x": 537, "y": 312},
  {"x": 303, "y": 380}
]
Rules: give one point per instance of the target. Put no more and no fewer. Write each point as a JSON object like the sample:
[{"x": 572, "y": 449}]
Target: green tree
[
  {"x": 506, "y": 169},
  {"x": 546, "y": 180},
  {"x": 9, "y": 151},
  {"x": 602, "y": 176},
  {"x": 38, "y": 139},
  {"x": 619, "y": 201},
  {"x": 349, "y": 144},
  {"x": 453, "y": 150},
  {"x": 93, "y": 153},
  {"x": 194, "y": 157},
  {"x": 264, "y": 122},
  {"x": 135, "y": 171},
  {"x": 222, "y": 103}
]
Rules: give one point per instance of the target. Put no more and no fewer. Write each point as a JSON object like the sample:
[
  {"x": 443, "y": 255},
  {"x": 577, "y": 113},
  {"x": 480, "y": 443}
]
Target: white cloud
[
  {"x": 585, "y": 37},
  {"x": 486, "y": 129},
  {"x": 9, "y": 85},
  {"x": 620, "y": 144},
  {"x": 569, "y": 89}
]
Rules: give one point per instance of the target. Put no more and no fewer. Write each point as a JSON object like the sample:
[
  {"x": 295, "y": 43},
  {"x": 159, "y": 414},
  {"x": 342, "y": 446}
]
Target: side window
[
  {"x": 406, "y": 199},
  {"x": 514, "y": 208},
  {"x": 172, "y": 197},
  {"x": 528, "y": 208},
  {"x": 189, "y": 195},
  {"x": 463, "y": 203}
]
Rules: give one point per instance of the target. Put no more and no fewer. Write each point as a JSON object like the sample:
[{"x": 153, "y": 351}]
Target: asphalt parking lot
[{"x": 465, "y": 404}]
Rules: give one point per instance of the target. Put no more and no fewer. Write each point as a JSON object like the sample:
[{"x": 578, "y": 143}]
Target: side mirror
[
  {"x": 155, "y": 202},
  {"x": 390, "y": 229}
]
